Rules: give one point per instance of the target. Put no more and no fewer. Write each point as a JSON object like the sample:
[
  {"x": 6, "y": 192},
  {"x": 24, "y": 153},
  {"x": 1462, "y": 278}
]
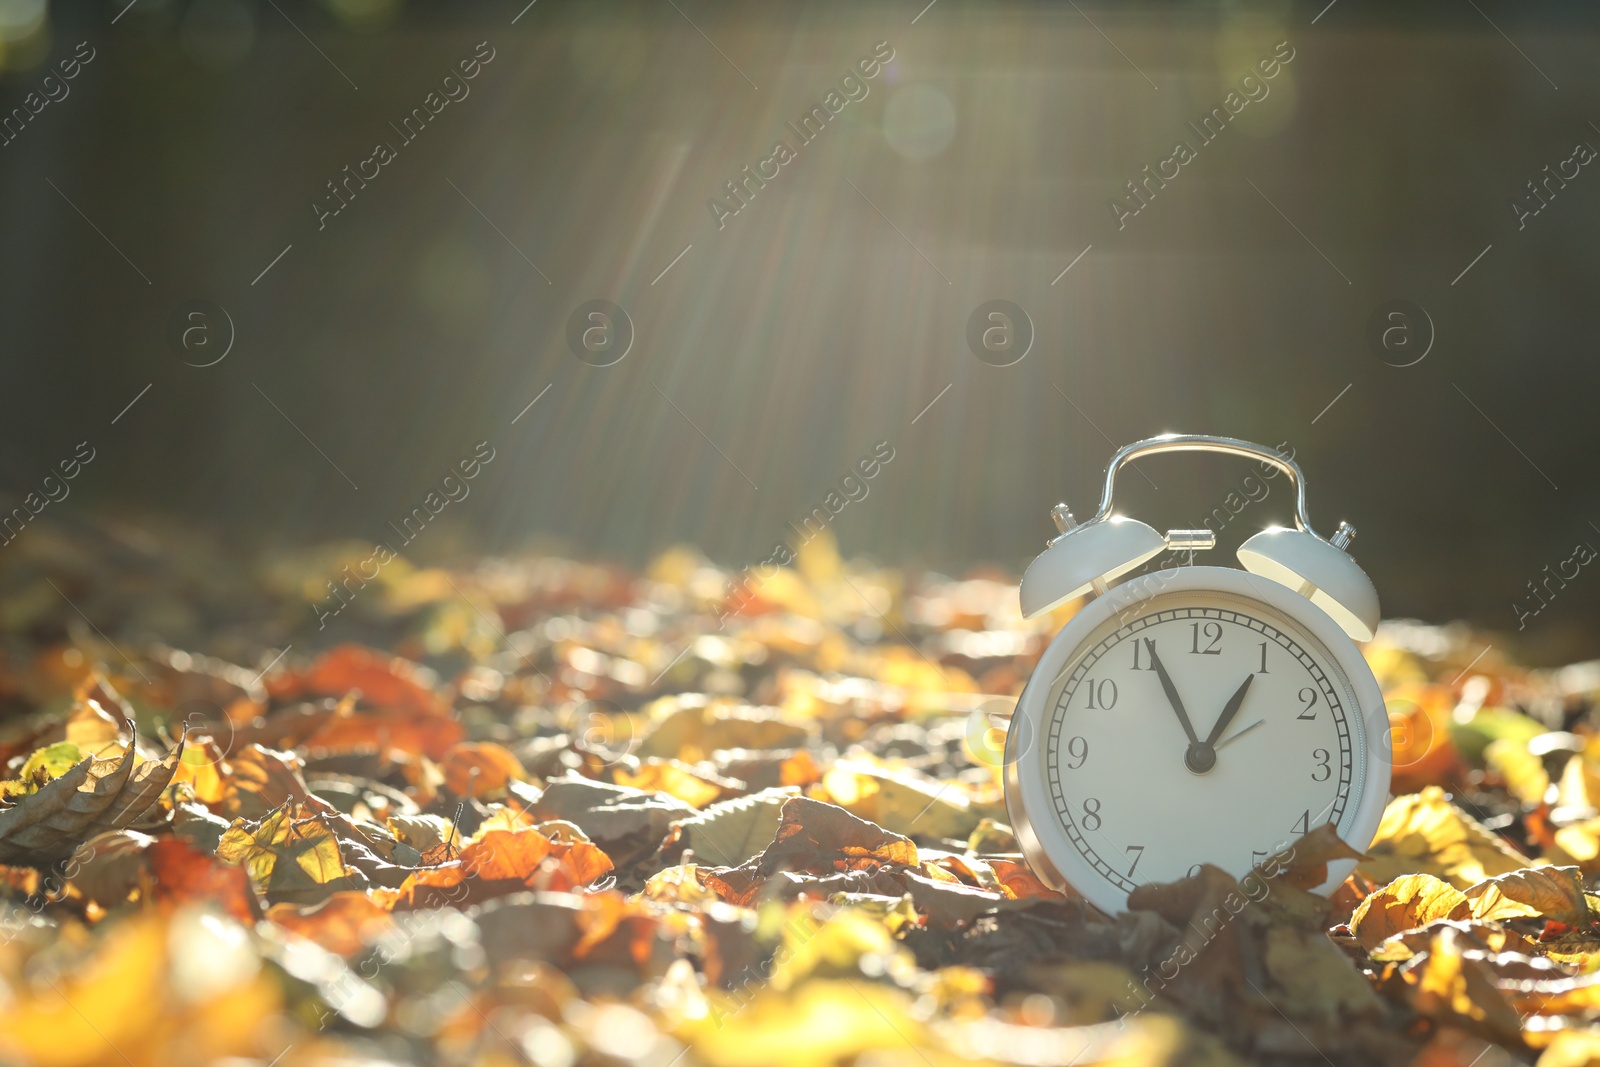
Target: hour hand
[
  {"x": 1235, "y": 702},
  {"x": 1171, "y": 691}
]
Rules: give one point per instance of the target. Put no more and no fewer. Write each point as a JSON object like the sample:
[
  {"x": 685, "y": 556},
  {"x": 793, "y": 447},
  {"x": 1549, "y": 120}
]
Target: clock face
[{"x": 1202, "y": 727}]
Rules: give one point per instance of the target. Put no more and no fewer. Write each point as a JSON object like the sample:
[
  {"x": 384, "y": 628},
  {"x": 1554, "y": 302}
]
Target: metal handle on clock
[{"x": 1199, "y": 442}]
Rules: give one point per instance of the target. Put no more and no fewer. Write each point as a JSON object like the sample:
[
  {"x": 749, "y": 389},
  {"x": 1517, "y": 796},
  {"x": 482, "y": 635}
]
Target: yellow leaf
[
  {"x": 201, "y": 767},
  {"x": 1447, "y": 984},
  {"x": 1580, "y": 844},
  {"x": 817, "y": 1025},
  {"x": 1526, "y": 778},
  {"x": 1572, "y": 1048},
  {"x": 320, "y": 859},
  {"x": 1425, "y": 833},
  {"x": 1404, "y": 904},
  {"x": 1317, "y": 980},
  {"x": 1482, "y": 936},
  {"x": 121, "y": 985},
  {"x": 832, "y": 949},
  {"x": 291, "y": 855},
  {"x": 900, "y": 801},
  {"x": 1550, "y": 892},
  {"x": 94, "y": 727},
  {"x": 185, "y": 988},
  {"x": 1552, "y": 997},
  {"x": 673, "y": 778},
  {"x": 1578, "y": 949},
  {"x": 1574, "y": 789}
]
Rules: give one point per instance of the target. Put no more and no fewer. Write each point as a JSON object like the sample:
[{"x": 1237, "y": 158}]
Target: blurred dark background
[{"x": 827, "y": 315}]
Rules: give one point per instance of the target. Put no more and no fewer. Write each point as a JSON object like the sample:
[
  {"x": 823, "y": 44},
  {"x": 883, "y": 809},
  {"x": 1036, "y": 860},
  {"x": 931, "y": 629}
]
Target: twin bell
[{"x": 1088, "y": 556}]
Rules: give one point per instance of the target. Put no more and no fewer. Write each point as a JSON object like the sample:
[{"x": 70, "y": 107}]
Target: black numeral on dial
[
  {"x": 1308, "y": 697},
  {"x": 1212, "y": 632},
  {"x": 1104, "y": 691},
  {"x": 1091, "y": 814},
  {"x": 1138, "y": 854}
]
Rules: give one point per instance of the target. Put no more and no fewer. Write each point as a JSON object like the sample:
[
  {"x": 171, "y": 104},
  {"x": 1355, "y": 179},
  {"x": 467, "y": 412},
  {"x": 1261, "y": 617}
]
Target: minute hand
[
  {"x": 1172, "y": 692},
  {"x": 1235, "y": 702}
]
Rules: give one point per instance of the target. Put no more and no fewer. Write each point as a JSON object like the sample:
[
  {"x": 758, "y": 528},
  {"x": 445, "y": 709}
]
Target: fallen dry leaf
[
  {"x": 495, "y": 862},
  {"x": 480, "y": 769},
  {"x": 291, "y": 855},
  {"x": 729, "y": 833},
  {"x": 91, "y": 797},
  {"x": 1423, "y": 833},
  {"x": 1404, "y": 904},
  {"x": 344, "y": 924},
  {"x": 1550, "y": 892}
]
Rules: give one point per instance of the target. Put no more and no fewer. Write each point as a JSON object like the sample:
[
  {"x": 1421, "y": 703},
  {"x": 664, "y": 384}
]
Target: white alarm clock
[{"x": 1194, "y": 714}]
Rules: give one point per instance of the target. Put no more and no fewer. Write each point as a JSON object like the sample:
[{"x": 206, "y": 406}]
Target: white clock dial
[{"x": 1202, "y": 726}]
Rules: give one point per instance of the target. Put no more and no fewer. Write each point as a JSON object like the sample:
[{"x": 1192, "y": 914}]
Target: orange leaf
[
  {"x": 599, "y": 920},
  {"x": 586, "y": 863},
  {"x": 182, "y": 874},
  {"x": 1020, "y": 882},
  {"x": 403, "y": 730},
  {"x": 505, "y": 854},
  {"x": 676, "y": 779},
  {"x": 343, "y": 924},
  {"x": 496, "y": 863},
  {"x": 262, "y": 779},
  {"x": 480, "y": 769},
  {"x": 799, "y": 769},
  {"x": 384, "y": 681}
]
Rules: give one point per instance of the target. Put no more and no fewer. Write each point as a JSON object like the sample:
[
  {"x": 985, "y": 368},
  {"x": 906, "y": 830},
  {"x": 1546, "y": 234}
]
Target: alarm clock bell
[
  {"x": 1087, "y": 557},
  {"x": 1318, "y": 570}
]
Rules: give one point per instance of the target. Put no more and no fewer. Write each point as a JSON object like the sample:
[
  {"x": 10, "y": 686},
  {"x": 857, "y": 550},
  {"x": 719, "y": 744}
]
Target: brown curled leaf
[
  {"x": 822, "y": 838},
  {"x": 94, "y": 796}
]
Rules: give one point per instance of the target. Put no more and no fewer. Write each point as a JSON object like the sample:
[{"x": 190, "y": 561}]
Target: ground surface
[{"x": 537, "y": 811}]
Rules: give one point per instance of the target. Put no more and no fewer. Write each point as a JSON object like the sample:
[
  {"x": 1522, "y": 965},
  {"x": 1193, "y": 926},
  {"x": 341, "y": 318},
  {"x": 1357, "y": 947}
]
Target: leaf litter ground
[{"x": 532, "y": 810}]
